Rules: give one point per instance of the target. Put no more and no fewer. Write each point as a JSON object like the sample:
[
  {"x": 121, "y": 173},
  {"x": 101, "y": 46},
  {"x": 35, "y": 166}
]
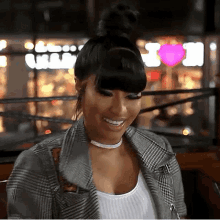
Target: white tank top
[{"x": 136, "y": 204}]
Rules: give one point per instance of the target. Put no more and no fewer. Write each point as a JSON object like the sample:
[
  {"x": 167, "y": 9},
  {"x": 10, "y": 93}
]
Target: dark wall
[{"x": 182, "y": 17}]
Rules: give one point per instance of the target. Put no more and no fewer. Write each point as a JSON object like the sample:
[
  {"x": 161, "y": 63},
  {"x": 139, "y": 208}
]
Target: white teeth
[{"x": 113, "y": 122}]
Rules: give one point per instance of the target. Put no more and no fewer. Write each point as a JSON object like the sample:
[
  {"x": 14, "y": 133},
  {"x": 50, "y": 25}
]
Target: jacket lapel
[
  {"x": 75, "y": 164},
  {"x": 161, "y": 207},
  {"x": 153, "y": 157},
  {"x": 75, "y": 167}
]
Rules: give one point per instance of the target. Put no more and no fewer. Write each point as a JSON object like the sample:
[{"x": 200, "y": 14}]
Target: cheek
[
  {"x": 93, "y": 105},
  {"x": 136, "y": 107}
]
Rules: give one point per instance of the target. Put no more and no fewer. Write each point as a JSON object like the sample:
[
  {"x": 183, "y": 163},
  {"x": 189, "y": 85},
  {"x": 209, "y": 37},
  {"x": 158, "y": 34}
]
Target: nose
[{"x": 118, "y": 106}]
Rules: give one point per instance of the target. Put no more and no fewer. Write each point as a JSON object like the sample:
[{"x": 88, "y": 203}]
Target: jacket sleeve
[
  {"x": 28, "y": 191},
  {"x": 177, "y": 183}
]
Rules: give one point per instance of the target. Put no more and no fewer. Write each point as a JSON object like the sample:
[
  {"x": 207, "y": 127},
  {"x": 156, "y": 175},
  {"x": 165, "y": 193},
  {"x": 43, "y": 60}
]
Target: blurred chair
[{"x": 3, "y": 199}]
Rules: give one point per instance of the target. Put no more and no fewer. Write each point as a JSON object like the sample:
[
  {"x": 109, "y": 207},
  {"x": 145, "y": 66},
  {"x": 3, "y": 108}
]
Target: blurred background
[{"x": 39, "y": 43}]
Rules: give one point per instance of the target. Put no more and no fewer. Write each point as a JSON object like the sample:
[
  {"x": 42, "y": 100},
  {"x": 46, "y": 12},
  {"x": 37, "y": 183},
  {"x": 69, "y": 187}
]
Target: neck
[{"x": 102, "y": 143}]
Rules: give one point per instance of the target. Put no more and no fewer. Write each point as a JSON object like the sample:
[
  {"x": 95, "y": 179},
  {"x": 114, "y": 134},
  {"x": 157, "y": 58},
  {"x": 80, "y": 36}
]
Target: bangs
[{"x": 121, "y": 70}]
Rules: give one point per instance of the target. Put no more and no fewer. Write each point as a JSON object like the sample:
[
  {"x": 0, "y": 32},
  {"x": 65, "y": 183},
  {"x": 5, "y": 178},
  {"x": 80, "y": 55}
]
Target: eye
[
  {"x": 104, "y": 92},
  {"x": 135, "y": 95}
]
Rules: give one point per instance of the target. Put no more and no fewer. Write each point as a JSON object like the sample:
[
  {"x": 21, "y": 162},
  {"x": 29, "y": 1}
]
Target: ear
[{"x": 78, "y": 84}]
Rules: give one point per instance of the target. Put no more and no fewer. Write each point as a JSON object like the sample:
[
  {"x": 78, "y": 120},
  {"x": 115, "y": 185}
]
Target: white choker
[{"x": 107, "y": 145}]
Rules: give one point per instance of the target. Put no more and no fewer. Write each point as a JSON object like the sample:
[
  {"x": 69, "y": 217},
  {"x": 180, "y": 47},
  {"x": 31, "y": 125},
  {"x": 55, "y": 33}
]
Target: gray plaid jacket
[{"x": 34, "y": 189}]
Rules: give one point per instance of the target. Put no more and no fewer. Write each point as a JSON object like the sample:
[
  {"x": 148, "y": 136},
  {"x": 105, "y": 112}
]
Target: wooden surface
[
  {"x": 200, "y": 170},
  {"x": 5, "y": 170},
  {"x": 206, "y": 162},
  {"x": 3, "y": 201},
  {"x": 208, "y": 194}
]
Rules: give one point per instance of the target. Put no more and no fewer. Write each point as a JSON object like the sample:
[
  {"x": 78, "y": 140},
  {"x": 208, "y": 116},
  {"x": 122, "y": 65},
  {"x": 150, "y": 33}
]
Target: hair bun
[{"x": 118, "y": 20}]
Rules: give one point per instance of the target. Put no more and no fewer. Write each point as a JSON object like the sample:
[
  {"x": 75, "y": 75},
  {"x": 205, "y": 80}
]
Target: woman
[{"x": 101, "y": 167}]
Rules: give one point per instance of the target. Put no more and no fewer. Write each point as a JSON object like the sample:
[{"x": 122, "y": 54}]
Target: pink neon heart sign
[{"x": 171, "y": 54}]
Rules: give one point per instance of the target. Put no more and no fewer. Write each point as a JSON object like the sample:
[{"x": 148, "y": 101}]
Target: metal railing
[{"x": 206, "y": 93}]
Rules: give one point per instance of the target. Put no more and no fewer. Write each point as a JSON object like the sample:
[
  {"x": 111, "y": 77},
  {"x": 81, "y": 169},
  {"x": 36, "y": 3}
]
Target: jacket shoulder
[
  {"x": 54, "y": 141},
  {"x": 155, "y": 138},
  {"x": 31, "y": 157},
  {"x": 29, "y": 184}
]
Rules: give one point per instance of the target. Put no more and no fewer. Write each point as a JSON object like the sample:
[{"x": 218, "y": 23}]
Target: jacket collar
[
  {"x": 75, "y": 163},
  {"x": 151, "y": 151}
]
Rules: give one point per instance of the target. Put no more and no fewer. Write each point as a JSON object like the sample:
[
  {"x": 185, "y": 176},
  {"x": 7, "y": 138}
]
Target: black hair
[
  {"x": 121, "y": 70},
  {"x": 111, "y": 56}
]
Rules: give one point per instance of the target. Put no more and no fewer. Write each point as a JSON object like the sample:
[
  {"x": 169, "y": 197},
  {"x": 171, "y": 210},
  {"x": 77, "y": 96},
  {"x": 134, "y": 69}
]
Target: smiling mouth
[{"x": 115, "y": 123}]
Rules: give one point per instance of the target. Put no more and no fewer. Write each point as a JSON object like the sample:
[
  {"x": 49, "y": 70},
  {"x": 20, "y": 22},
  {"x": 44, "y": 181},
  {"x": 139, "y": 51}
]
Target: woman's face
[{"x": 108, "y": 113}]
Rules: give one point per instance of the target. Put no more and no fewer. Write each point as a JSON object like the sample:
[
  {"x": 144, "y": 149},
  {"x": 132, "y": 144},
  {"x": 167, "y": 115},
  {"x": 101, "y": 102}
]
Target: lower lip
[{"x": 115, "y": 127}]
